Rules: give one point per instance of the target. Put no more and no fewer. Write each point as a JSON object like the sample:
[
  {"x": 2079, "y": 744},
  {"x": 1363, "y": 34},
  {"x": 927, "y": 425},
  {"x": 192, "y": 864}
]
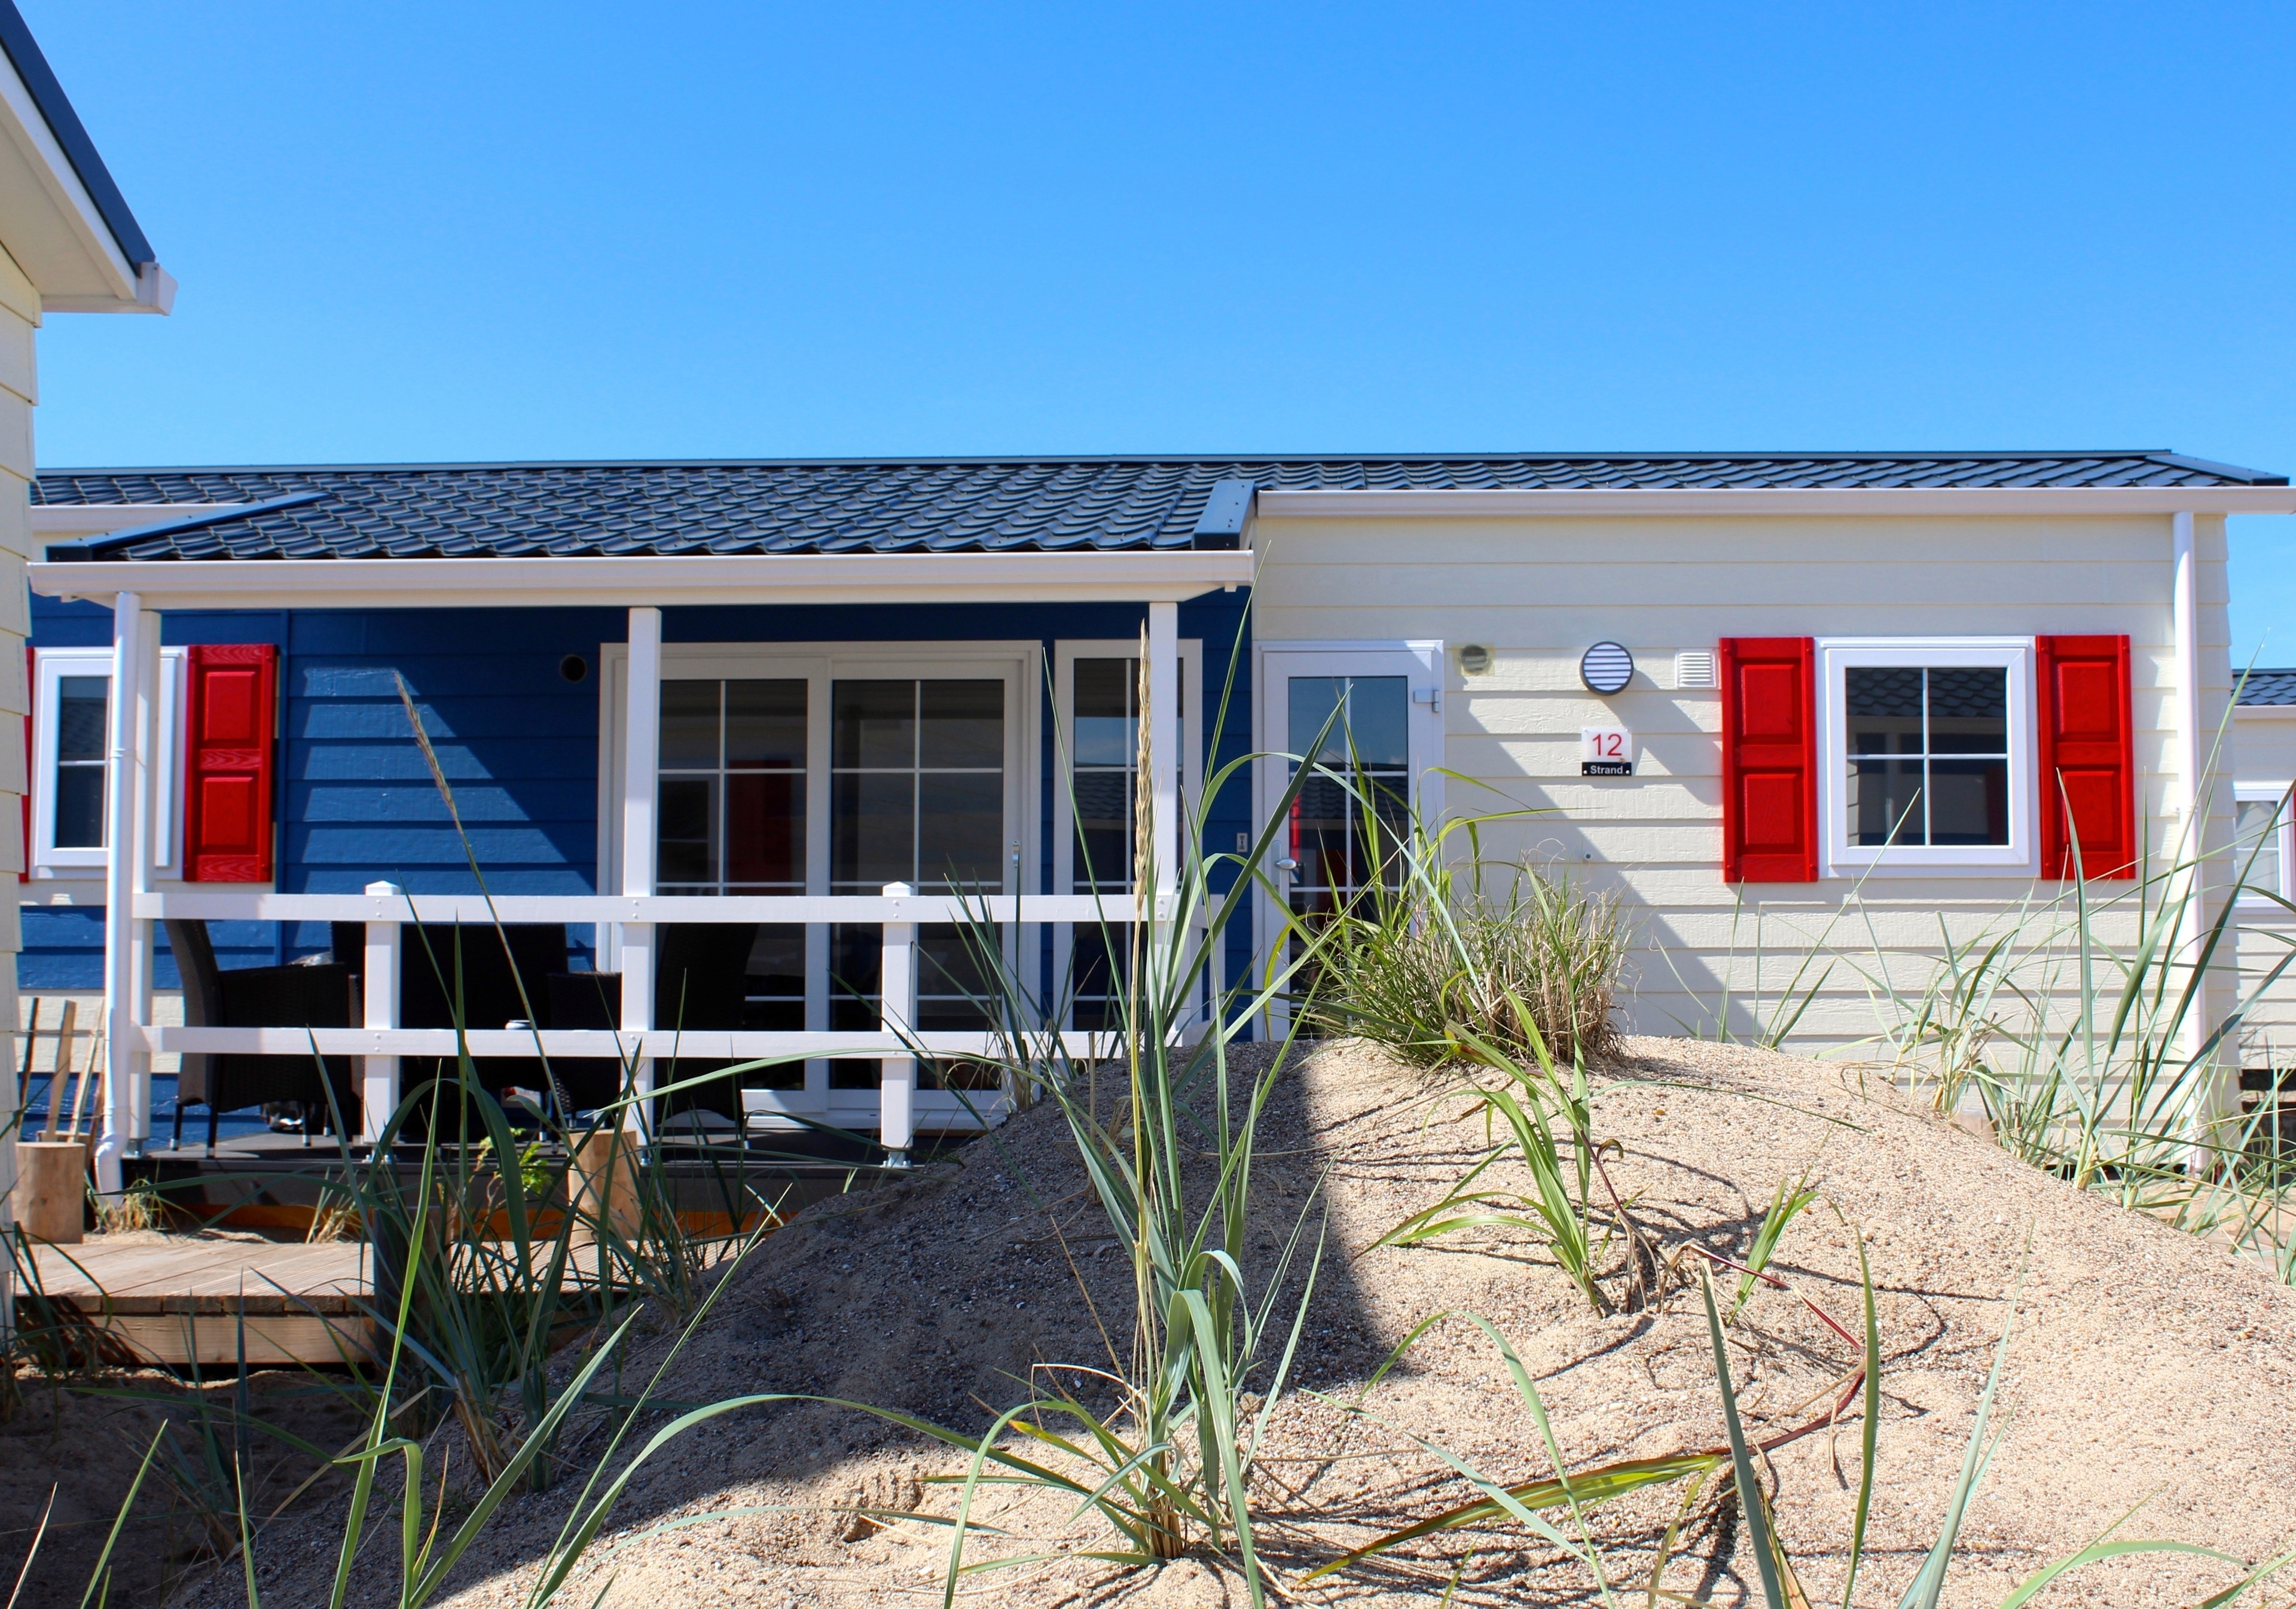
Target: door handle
[{"x": 1287, "y": 865}]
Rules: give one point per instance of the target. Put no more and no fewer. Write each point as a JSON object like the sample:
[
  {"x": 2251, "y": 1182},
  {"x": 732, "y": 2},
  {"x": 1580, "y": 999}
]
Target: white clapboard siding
[{"x": 1539, "y": 591}]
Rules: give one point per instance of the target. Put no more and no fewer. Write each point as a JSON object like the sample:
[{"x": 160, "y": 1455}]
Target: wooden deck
[{"x": 180, "y": 1299}]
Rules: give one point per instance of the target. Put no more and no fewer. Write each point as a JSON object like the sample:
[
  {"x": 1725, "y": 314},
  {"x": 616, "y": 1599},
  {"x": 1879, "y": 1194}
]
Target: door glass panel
[
  {"x": 732, "y": 788},
  {"x": 1104, "y": 769},
  {"x": 82, "y": 705},
  {"x": 918, "y": 785},
  {"x": 1345, "y": 826}
]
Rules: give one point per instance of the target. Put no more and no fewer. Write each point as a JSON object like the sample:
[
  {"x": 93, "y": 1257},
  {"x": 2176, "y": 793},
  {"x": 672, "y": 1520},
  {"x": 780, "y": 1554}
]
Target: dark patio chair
[
  {"x": 301, "y": 996},
  {"x": 701, "y": 981},
  {"x": 439, "y": 961}
]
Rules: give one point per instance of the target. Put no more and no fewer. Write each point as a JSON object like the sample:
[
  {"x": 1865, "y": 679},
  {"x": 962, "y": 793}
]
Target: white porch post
[
  {"x": 379, "y": 987},
  {"x": 1164, "y": 756},
  {"x": 121, "y": 782},
  {"x": 641, "y": 754},
  {"x": 147, "y": 713},
  {"x": 896, "y": 1013},
  {"x": 2200, "y": 884}
]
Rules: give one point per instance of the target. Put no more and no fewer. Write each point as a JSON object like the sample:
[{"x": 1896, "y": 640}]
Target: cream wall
[
  {"x": 19, "y": 316},
  {"x": 2264, "y": 751},
  {"x": 1540, "y": 590}
]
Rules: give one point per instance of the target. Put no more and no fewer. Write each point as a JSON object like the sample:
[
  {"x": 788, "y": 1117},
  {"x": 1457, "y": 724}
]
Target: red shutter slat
[
  {"x": 228, "y": 747},
  {"x": 2087, "y": 755},
  {"x": 1770, "y": 759}
]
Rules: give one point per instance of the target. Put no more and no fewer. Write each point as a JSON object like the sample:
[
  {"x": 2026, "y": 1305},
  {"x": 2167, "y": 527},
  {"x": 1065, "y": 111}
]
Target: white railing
[{"x": 380, "y": 1042}]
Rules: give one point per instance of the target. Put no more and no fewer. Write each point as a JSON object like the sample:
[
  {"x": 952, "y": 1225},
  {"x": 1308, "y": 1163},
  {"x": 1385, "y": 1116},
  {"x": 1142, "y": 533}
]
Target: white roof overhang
[
  {"x": 52, "y": 227},
  {"x": 1817, "y": 501},
  {"x": 692, "y": 579}
]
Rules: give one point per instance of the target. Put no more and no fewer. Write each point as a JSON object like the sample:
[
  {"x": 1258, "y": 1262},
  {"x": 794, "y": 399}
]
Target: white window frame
[
  {"x": 2020, "y": 856},
  {"x": 1020, "y": 664},
  {"x": 1066, "y": 653},
  {"x": 2284, "y": 829},
  {"x": 1274, "y": 664},
  {"x": 50, "y": 666}
]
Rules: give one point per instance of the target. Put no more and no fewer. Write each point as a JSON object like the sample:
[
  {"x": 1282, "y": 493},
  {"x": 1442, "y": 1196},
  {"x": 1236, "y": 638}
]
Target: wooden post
[
  {"x": 379, "y": 987},
  {"x": 896, "y": 1013},
  {"x": 602, "y": 1188},
  {"x": 51, "y": 1194}
]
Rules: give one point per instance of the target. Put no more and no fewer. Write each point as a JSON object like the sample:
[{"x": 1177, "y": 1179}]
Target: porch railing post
[
  {"x": 896, "y": 1013},
  {"x": 146, "y": 826},
  {"x": 641, "y": 754},
  {"x": 379, "y": 1080},
  {"x": 1164, "y": 761},
  {"x": 127, "y": 626}
]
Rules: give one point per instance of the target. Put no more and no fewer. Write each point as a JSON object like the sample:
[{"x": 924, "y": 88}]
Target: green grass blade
[{"x": 1751, "y": 1504}]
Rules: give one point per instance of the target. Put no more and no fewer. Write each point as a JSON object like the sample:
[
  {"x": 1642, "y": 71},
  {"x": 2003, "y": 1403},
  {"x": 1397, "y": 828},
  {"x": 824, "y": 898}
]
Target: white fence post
[
  {"x": 897, "y": 986},
  {"x": 379, "y": 983}
]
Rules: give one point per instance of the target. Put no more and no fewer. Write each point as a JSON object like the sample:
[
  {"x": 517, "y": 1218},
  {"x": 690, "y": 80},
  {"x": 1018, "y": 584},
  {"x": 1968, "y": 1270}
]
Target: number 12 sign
[{"x": 1606, "y": 751}]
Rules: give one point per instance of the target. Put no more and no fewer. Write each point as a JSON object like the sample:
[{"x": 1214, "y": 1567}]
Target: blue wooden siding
[{"x": 519, "y": 743}]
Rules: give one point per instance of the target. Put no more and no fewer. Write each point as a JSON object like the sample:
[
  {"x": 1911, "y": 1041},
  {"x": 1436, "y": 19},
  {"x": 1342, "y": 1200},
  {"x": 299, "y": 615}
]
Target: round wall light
[
  {"x": 1475, "y": 659},
  {"x": 574, "y": 668},
  {"x": 1606, "y": 667}
]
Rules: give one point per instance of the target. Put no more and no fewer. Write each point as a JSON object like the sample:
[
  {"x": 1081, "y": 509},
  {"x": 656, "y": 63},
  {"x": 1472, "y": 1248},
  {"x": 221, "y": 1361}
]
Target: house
[
  {"x": 69, "y": 243},
  {"x": 1744, "y": 689},
  {"x": 2263, "y": 749}
]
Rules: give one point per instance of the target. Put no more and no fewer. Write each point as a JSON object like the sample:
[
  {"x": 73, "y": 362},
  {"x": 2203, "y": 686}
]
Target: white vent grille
[{"x": 1693, "y": 668}]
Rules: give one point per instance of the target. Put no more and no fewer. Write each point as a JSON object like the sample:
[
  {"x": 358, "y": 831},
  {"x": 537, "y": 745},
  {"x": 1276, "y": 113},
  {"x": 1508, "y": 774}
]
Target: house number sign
[{"x": 1606, "y": 751}]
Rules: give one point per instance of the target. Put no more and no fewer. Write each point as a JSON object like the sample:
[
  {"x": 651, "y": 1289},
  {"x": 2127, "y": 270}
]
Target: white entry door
[{"x": 1375, "y": 708}]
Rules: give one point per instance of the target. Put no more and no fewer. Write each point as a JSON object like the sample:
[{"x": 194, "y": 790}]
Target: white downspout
[
  {"x": 2191, "y": 888},
  {"x": 2185, "y": 609},
  {"x": 641, "y": 755}
]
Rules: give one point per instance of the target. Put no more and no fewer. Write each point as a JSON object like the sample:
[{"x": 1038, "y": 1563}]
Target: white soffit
[
  {"x": 1925, "y": 501},
  {"x": 620, "y": 583},
  {"x": 48, "y": 222}
]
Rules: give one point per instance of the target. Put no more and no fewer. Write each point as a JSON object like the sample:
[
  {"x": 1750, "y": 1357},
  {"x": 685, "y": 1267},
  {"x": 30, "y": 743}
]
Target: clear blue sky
[{"x": 490, "y": 230}]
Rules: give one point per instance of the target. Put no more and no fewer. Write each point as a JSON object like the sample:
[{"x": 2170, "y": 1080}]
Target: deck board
[{"x": 180, "y": 1299}]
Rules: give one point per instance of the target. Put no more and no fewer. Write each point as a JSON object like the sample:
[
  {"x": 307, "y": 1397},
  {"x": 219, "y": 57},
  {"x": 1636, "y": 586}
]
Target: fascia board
[
  {"x": 49, "y": 221},
  {"x": 1818, "y": 501},
  {"x": 61, "y": 521},
  {"x": 1139, "y": 578}
]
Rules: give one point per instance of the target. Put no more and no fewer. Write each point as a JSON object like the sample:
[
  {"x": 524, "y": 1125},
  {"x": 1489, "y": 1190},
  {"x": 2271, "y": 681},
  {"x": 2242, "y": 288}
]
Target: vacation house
[{"x": 705, "y": 722}]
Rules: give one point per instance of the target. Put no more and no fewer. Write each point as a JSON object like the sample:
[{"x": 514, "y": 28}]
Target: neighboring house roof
[
  {"x": 2269, "y": 688},
  {"x": 56, "y": 111},
  {"x": 931, "y": 505}
]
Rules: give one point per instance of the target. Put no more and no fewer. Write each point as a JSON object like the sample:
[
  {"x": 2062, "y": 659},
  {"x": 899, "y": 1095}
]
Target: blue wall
[{"x": 519, "y": 743}]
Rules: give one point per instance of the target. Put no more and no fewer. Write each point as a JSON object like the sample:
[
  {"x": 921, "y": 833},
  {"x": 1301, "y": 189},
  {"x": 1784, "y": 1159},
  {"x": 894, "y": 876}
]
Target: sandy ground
[{"x": 2147, "y": 1368}]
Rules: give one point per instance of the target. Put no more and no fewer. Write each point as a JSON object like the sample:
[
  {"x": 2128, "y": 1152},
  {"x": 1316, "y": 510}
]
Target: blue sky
[{"x": 508, "y": 230}]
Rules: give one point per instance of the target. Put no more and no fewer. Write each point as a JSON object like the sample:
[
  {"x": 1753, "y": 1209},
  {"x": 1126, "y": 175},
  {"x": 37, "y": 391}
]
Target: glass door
[{"x": 1368, "y": 721}]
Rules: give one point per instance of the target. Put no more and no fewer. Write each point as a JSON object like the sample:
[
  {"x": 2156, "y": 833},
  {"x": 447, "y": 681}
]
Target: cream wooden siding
[
  {"x": 19, "y": 316},
  {"x": 2263, "y": 750},
  {"x": 1538, "y": 591}
]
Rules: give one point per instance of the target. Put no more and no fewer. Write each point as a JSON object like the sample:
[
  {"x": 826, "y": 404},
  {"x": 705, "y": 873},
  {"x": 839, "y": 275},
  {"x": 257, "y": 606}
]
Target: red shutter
[
  {"x": 1770, "y": 759},
  {"x": 227, "y": 762},
  {"x": 2087, "y": 755}
]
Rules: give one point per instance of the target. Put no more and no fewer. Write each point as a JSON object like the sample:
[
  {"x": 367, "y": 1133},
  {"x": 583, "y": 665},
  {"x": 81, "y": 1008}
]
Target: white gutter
[
  {"x": 1932, "y": 501},
  {"x": 2185, "y": 623},
  {"x": 652, "y": 580}
]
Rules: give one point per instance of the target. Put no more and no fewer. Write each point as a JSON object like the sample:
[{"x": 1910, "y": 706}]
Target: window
[
  {"x": 1096, "y": 815},
  {"x": 732, "y": 813},
  {"x": 71, "y": 738},
  {"x": 1928, "y": 756},
  {"x": 2262, "y": 849}
]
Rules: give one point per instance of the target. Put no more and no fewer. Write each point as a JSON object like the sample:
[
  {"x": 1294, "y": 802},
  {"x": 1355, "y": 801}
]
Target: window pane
[
  {"x": 1969, "y": 802},
  {"x": 1885, "y": 801},
  {"x": 1381, "y": 836},
  {"x": 1106, "y": 733},
  {"x": 1969, "y": 711},
  {"x": 1379, "y": 712},
  {"x": 1103, "y": 847},
  {"x": 872, "y": 830},
  {"x": 856, "y": 951},
  {"x": 687, "y": 845},
  {"x": 962, "y": 724},
  {"x": 80, "y": 701},
  {"x": 1883, "y": 708},
  {"x": 1319, "y": 834},
  {"x": 961, "y": 830},
  {"x": 2257, "y": 832},
  {"x": 689, "y": 725},
  {"x": 1312, "y": 700},
  {"x": 764, "y": 828},
  {"x": 874, "y": 723},
  {"x": 79, "y": 807},
  {"x": 764, "y": 725}
]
